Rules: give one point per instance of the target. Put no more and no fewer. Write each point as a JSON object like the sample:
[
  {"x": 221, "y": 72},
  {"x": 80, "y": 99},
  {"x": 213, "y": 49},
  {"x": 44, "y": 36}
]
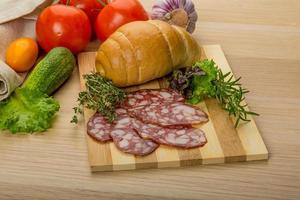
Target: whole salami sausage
[{"x": 169, "y": 114}]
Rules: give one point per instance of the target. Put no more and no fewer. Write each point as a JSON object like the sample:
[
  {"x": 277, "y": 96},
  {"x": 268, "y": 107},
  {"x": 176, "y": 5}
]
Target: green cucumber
[
  {"x": 30, "y": 108},
  {"x": 51, "y": 72}
]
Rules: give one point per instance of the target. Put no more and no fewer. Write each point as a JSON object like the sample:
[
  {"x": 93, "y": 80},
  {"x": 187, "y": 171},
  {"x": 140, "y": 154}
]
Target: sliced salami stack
[{"x": 148, "y": 118}]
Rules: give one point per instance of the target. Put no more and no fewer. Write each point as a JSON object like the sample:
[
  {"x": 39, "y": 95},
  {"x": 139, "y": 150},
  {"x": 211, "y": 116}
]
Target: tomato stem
[{"x": 102, "y": 2}]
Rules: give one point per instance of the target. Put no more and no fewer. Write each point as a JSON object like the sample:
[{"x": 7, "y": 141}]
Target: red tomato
[
  {"x": 116, "y": 14},
  {"x": 65, "y": 26},
  {"x": 90, "y": 7}
]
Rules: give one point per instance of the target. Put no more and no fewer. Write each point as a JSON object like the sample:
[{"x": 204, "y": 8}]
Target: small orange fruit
[{"x": 21, "y": 54}]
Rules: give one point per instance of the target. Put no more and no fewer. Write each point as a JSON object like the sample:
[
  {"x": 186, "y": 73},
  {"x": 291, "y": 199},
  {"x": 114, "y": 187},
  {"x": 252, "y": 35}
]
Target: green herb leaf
[{"x": 214, "y": 84}]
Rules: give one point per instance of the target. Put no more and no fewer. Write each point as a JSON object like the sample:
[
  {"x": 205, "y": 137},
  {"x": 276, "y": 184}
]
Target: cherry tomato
[
  {"x": 21, "y": 54},
  {"x": 90, "y": 7},
  {"x": 116, "y": 14},
  {"x": 66, "y": 26}
]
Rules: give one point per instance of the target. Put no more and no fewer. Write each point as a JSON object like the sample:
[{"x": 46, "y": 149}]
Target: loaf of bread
[{"x": 145, "y": 50}]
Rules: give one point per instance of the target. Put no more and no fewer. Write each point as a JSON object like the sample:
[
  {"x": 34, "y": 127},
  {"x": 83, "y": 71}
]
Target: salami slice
[
  {"x": 147, "y": 97},
  {"x": 169, "y": 114},
  {"x": 99, "y": 128},
  {"x": 183, "y": 138},
  {"x": 128, "y": 140}
]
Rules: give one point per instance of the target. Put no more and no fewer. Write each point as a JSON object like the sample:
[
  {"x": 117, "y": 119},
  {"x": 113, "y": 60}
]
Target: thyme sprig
[{"x": 100, "y": 95}]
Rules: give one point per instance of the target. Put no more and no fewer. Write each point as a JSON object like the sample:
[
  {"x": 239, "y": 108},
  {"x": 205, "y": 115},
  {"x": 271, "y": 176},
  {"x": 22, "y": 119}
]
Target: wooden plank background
[
  {"x": 261, "y": 40},
  {"x": 225, "y": 143}
]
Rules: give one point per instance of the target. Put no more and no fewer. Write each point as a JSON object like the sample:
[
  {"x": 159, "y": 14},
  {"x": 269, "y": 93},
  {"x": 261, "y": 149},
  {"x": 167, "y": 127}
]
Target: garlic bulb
[{"x": 176, "y": 12}]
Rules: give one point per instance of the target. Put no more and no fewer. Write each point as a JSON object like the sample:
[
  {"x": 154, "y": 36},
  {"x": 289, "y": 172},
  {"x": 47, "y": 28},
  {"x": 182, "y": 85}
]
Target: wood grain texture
[
  {"x": 261, "y": 40},
  {"x": 225, "y": 143}
]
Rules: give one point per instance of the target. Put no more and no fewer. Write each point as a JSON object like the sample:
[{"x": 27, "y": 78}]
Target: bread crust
[{"x": 145, "y": 50}]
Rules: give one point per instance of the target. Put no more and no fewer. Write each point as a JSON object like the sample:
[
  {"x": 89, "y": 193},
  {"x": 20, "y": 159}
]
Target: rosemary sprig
[
  {"x": 230, "y": 95},
  {"x": 100, "y": 95}
]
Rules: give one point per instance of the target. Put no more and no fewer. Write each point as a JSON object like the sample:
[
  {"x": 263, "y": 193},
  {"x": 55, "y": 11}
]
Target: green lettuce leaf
[
  {"x": 27, "y": 111},
  {"x": 202, "y": 86}
]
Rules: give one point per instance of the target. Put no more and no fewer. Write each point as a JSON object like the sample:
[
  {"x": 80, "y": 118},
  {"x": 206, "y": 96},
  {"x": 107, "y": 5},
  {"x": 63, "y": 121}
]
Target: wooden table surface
[{"x": 261, "y": 40}]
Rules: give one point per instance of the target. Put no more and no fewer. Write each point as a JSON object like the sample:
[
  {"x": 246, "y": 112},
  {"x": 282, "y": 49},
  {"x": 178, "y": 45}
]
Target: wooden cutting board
[{"x": 225, "y": 143}]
